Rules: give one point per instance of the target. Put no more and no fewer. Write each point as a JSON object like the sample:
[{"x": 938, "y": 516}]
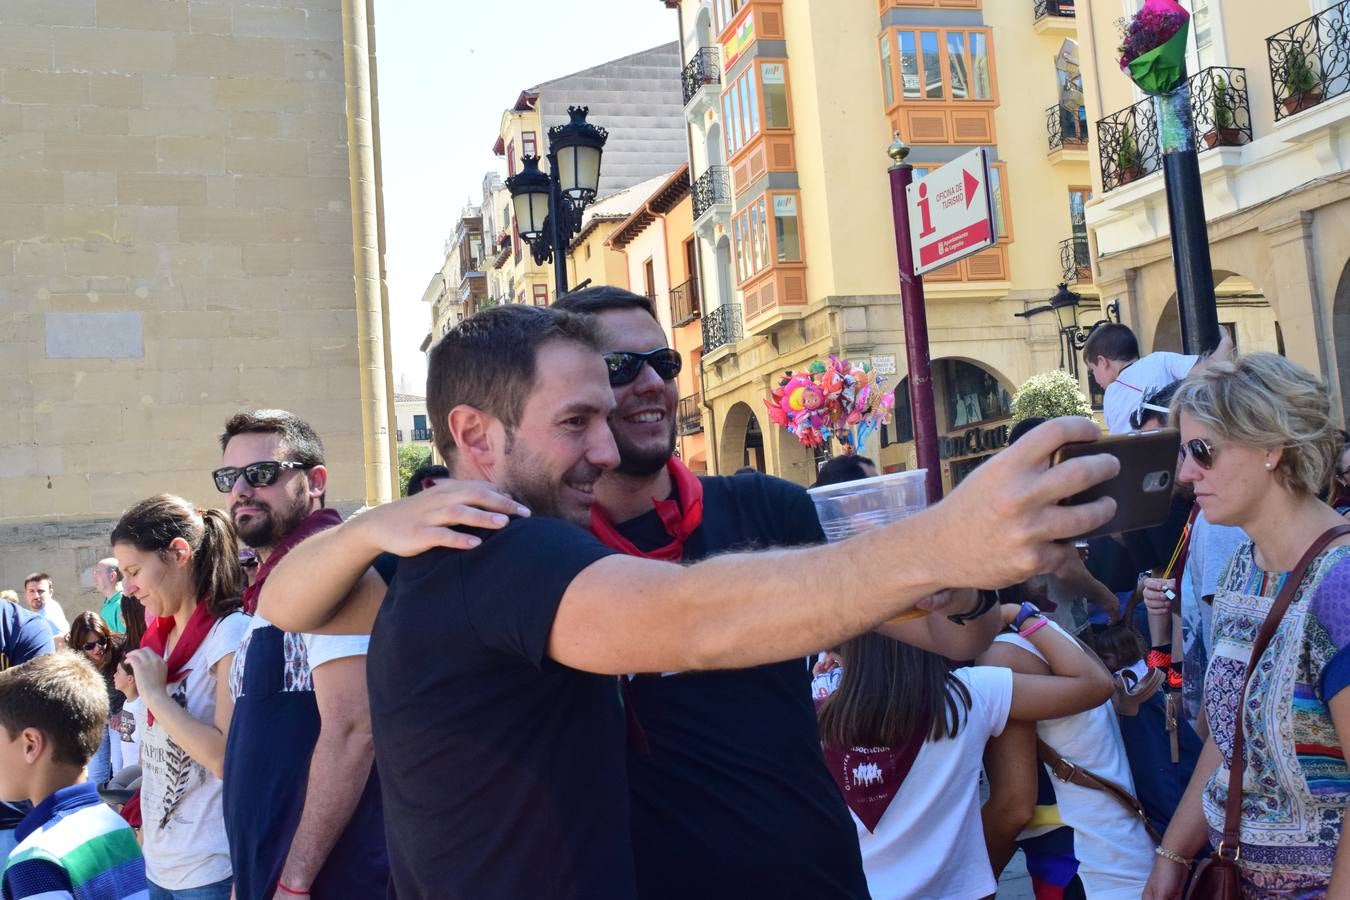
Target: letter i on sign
[{"x": 925, "y": 211}]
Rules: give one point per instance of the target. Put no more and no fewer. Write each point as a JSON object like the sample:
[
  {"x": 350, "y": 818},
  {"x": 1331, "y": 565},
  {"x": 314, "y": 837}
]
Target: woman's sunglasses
[
  {"x": 90, "y": 645},
  {"x": 625, "y": 366},
  {"x": 1199, "y": 450},
  {"x": 258, "y": 474}
]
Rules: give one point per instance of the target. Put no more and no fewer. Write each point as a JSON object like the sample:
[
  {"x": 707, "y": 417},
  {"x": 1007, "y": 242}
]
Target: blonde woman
[
  {"x": 1258, "y": 444},
  {"x": 11, "y": 596}
]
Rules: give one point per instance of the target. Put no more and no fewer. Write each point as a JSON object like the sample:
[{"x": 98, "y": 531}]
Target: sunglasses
[
  {"x": 625, "y": 366},
  {"x": 90, "y": 645},
  {"x": 258, "y": 474},
  {"x": 1200, "y": 451}
]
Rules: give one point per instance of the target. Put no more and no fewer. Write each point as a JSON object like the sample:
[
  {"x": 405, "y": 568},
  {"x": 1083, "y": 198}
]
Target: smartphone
[{"x": 1142, "y": 489}]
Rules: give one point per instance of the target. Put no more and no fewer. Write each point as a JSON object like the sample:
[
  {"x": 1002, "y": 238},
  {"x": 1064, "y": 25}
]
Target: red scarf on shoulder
[
  {"x": 681, "y": 517},
  {"x": 319, "y": 520},
  {"x": 157, "y": 638}
]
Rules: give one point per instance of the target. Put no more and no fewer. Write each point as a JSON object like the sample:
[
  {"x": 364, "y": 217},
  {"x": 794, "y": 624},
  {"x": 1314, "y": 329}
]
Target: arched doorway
[
  {"x": 1243, "y": 309},
  {"x": 742, "y": 441},
  {"x": 974, "y": 412},
  {"x": 1340, "y": 330}
]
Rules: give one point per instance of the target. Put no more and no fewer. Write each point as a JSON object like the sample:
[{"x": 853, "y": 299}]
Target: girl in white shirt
[{"x": 903, "y": 736}]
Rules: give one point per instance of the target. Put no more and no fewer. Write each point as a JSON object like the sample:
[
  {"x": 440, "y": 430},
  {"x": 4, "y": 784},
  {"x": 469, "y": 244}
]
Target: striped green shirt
[{"x": 72, "y": 845}]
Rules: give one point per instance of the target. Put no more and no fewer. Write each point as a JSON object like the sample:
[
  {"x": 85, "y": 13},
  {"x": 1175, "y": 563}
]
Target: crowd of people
[{"x": 565, "y": 666}]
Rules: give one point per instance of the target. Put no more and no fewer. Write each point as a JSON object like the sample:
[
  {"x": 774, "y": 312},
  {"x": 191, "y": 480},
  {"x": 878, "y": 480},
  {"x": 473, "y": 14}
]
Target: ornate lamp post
[{"x": 548, "y": 205}]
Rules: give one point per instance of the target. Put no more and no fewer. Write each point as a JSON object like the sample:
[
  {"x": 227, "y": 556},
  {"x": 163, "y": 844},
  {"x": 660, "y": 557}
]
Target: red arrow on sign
[{"x": 972, "y": 184}]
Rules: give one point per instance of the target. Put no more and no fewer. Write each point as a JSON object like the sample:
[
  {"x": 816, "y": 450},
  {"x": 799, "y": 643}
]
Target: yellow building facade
[
  {"x": 792, "y": 105},
  {"x": 1270, "y": 93}
]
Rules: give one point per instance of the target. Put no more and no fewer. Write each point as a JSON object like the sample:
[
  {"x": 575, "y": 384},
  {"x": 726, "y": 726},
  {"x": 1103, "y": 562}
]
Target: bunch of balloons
[{"x": 832, "y": 399}]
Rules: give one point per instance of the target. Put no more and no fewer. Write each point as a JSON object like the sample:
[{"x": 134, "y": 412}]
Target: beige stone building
[
  {"x": 1270, "y": 91},
  {"x": 190, "y": 224}
]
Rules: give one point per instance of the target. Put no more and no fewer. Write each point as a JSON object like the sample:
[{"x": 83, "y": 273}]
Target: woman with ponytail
[{"x": 182, "y": 564}]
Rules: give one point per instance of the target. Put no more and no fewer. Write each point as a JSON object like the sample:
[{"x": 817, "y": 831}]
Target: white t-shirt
[
  {"x": 1114, "y": 852},
  {"x": 929, "y": 843},
  {"x": 184, "y": 827},
  {"x": 304, "y": 654},
  {"x": 126, "y": 734},
  {"x": 1154, "y": 371}
]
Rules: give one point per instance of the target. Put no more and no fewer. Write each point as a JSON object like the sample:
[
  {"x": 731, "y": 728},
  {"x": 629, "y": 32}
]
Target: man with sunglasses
[
  {"x": 492, "y": 661},
  {"x": 302, "y": 802}
]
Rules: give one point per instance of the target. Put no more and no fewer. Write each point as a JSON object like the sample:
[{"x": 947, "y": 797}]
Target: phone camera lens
[{"x": 1164, "y": 479}]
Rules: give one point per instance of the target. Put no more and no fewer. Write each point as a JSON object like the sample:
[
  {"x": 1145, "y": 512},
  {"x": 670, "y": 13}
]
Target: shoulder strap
[
  {"x": 1228, "y": 847},
  {"x": 1075, "y": 774}
]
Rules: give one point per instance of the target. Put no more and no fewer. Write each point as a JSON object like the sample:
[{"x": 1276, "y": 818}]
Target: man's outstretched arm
[{"x": 998, "y": 528}]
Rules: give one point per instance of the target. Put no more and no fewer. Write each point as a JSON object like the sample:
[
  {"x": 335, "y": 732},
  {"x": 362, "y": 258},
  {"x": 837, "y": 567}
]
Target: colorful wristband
[
  {"x": 1159, "y": 659},
  {"x": 292, "y": 891},
  {"x": 1035, "y": 627}
]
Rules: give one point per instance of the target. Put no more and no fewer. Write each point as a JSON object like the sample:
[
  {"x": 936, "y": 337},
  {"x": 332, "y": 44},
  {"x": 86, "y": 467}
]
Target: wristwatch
[{"x": 1026, "y": 612}]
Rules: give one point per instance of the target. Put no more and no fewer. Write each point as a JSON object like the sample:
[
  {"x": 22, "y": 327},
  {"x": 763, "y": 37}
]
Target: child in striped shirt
[{"x": 53, "y": 714}]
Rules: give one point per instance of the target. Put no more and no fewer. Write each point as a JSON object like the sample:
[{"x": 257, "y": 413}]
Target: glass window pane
[
  {"x": 774, "y": 76},
  {"x": 751, "y": 105},
  {"x": 786, "y": 235},
  {"x": 932, "y": 65},
  {"x": 737, "y": 239},
  {"x": 956, "y": 64},
  {"x": 728, "y": 134},
  {"x": 996, "y": 188},
  {"x": 756, "y": 237},
  {"x": 762, "y": 206},
  {"x": 981, "y": 82},
  {"x": 887, "y": 77},
  {"x": 741, "y": 136},
  {"x": 909, "y": 66}
]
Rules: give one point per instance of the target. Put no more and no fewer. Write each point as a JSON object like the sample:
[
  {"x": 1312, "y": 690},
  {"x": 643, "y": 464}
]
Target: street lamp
[
  {"x": 1072, "y": 336},
  {"x": 548, "y": 205}
]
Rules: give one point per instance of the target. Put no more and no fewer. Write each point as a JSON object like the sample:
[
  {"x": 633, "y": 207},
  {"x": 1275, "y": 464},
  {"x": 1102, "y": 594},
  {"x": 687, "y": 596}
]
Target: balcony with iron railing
[
  {"x": 1054, "y": 17},
  {"x": 722, "y": 327},
  {"x": 1066, "y": 128},
  {"x": 1310, "y": 61},
  {"x": 1075, "y": 258},
  {"x": 421, "y": 434},
  {"x": 704, "y": 69},
  {"x": 689, "y": 419},
  {"x": 1128, "y": 142},
  {"x": 711, "y": 188},
  {"x": 684, "y": 303}
]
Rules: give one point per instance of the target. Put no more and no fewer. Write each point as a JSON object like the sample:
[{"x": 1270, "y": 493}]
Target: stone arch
[
  {"x": 1340, "y": 332},
  {"x": 1241, "y": 303},
  {"x": 741, "y": 440},
  {"x": 948, "y": 399}
]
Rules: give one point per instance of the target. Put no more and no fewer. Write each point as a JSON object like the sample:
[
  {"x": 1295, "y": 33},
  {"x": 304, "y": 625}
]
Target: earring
[{"x": 1268, "y": 466}]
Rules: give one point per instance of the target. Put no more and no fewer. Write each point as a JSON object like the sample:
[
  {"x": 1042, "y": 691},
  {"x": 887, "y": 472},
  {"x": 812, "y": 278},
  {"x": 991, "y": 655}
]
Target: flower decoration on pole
[
  {"x": 833, "y": 398},
  {"x": 1153, "y": 51}
]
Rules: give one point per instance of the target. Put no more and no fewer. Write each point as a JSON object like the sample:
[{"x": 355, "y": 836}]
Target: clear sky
[{"x": 447, "y": 70}]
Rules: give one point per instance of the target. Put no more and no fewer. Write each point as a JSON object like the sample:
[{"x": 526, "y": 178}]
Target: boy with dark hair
[
  {"x": 1112, "y": 353},
  {"x": 53, "y": 715}
]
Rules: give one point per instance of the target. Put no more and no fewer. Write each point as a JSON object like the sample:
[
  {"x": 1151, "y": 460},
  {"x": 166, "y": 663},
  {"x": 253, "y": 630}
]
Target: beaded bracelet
[
  {"x": 1173, "y": 856},
  {"x": 1035, "y": 627}
]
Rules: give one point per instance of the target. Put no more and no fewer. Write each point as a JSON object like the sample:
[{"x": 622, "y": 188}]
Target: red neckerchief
[
  {"x": 870, "y": 777},
  {"x": 157, "y": 638},
  {"x": 681, "y": 517},
  {"x": 319, "y": 520}
]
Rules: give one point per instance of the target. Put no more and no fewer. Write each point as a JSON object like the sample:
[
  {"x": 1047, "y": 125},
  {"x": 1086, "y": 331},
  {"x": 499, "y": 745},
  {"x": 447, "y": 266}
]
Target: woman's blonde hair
[
  {"x": 11, "y": 596},
  {"x": 1263, "y": 400}
]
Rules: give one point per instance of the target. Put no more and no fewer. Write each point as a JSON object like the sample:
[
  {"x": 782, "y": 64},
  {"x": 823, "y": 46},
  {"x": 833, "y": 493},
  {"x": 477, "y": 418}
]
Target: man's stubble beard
[
  {"x": 270, "y": 530},
  {"x": 641, "y": 463}
]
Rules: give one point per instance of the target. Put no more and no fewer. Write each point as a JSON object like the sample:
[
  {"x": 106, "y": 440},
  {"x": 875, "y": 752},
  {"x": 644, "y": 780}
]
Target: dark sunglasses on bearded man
[{"x": 624, "y": 366}]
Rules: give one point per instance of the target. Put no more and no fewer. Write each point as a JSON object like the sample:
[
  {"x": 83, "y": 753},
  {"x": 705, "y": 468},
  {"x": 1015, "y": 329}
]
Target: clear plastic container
[{"x": 855, "y": 506}]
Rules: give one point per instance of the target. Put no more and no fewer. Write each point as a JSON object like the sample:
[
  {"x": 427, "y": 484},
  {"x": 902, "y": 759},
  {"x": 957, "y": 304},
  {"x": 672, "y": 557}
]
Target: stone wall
[{"x": 175, "y": 245}]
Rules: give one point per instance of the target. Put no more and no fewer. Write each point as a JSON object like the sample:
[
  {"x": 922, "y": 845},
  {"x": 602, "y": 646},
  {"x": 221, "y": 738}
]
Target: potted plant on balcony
[
  {"x": 1301, "y": 81},
  {"x": 1129, "y": 162},
  {"x": 1223, "y": 134}
]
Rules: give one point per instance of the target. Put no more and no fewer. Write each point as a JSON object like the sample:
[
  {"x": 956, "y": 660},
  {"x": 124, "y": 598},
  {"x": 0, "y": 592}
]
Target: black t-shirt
[
  {"x": 23, "y": 635},
  {"x": 503, "y": 771},
  {"x": 730, "y": 796}
]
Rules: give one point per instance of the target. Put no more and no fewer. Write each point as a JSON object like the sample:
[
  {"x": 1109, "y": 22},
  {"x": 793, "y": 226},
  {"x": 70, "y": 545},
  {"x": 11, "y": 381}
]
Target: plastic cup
[{"x": 857, "y": 506}]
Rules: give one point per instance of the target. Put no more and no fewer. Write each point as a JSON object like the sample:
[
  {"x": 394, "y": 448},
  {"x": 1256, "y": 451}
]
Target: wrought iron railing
[
  {"x": 684, "y": 303},
  {"x": 1065, "y": 127},
  {"x": 689, "y": 420},
  {"x": 712, "y": 187},
  {"x": 1219, "y": 107},
  {"x": 1062, "y": 9},
  {"x": 398, "y": 435},
  {"x": 722, "y": 326},
  {"x": 1310, "y": 61},
  {"x": 421, "y": 434},
  {"x": 1128, "y": 144},
  {"x": 1076, "y": 259},
  {"x": 703, "y": 69}
]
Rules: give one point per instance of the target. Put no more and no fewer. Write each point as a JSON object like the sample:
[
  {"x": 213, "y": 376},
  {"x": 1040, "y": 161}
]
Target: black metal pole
[
  {"x": 557, "y": 228},
  {"x": 1186, "y": 215}
]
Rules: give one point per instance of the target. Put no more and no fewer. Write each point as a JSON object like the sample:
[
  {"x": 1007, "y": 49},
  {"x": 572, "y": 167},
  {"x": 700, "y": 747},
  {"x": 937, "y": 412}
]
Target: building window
[
  {"x": 759, "y": 97},
  {"x": 1078, "y": 198},
  {"x": 761, "y": 243},
  {"x": 528, "y": 144},
  {"x": 541, "y": 295},
  {"x": 946, "y": 64},
  {"x": 511, "y": 158},
  {"x": 787, "y": 236},
  {"x": 724, "y": 11},
  {"x": 973, "y": 395}
]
